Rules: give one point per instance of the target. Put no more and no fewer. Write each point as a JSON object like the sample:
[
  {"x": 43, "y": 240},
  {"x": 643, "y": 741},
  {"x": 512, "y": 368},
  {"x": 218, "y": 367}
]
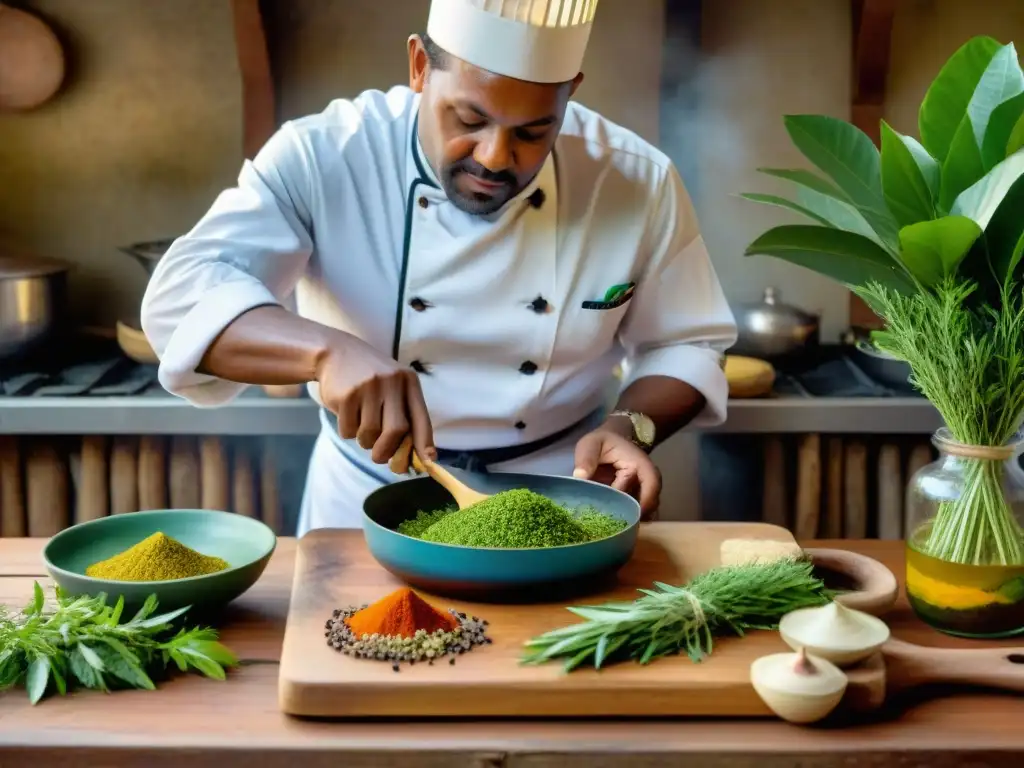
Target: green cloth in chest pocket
[{"x": 614, "y": 297}]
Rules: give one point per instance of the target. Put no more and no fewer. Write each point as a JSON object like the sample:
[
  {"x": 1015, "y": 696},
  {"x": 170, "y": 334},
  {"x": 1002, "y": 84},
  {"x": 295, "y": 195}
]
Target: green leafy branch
[
  {"x": 83, "y": 640},
  {"x": 912, "y": 214},
  {"x": 930, "y": 234}
]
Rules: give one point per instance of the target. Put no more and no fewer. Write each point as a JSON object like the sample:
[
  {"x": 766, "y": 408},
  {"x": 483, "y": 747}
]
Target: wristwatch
[{"x": 643, "y": 428}]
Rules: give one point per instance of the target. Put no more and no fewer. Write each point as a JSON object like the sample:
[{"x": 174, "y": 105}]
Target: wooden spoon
[{"x": 464, "y": 495}]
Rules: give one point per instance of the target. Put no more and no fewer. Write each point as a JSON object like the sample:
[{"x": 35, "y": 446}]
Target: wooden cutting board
[{"x": 334, "y": 569}]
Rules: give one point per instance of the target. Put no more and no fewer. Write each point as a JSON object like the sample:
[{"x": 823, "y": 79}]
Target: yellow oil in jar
[{"x": 985, "y": 601}]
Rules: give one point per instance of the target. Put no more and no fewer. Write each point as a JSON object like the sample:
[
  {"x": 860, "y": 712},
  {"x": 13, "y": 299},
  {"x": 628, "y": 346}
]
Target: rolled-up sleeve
[
  {"x": 250, "y": 249},
  {"x": 679, "y": 323}
]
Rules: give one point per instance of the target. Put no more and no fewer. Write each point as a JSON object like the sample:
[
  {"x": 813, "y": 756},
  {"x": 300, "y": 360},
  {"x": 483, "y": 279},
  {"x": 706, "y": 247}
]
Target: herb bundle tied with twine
[{"x": 668, "y": 620}]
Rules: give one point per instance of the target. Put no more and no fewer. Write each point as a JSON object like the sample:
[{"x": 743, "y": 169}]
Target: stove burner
[
  {"x": 830, "y": 372},
  {"x": 78, "y": 366}
]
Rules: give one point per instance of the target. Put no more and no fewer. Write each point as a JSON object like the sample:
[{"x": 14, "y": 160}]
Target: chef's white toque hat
[{"x": 541, "y": 41}]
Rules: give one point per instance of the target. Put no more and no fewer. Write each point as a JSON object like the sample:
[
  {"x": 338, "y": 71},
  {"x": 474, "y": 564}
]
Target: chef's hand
[
  {"x": 608, "y": 455},
  {"x": 377, "y": 401}
]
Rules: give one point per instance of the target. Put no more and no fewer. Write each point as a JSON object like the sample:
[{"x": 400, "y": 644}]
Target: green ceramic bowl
[{"x": 246, "y": 545}]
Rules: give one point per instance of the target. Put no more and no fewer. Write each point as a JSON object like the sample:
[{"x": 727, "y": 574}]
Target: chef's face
[{"x": 487, "y": 136}]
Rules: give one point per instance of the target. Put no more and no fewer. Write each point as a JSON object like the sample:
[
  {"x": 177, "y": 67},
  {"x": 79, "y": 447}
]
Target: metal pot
[
  {"x": 33, "y": 302},
  {"x": 771, "y": 329},
  {"x": 149, "y": 253},
  {"x": 881, "y": 366}
]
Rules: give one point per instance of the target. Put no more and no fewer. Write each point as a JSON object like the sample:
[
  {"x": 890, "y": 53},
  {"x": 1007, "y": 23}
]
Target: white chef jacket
[{"x": 502, "y": 315}]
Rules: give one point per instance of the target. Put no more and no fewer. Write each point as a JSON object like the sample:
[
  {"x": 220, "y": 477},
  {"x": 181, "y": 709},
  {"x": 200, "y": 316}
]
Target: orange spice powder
[{"x": 400, "y": 614}]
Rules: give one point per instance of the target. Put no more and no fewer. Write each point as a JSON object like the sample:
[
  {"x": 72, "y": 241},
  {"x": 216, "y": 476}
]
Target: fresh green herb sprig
[
  {"x": 968, "y": 360},
  {"x": 82, "y": 640},
  {"x": 670, "y": 620}
]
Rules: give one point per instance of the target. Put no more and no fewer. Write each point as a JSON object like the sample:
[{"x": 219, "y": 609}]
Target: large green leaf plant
[{"x": 930, "y": 233}]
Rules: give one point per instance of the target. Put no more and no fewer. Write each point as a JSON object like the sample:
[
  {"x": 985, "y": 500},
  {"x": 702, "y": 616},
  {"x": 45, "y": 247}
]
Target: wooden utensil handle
[
  {"x": 909, "y": 665},
  {"x": 419, "y": 466},
  {"x": 405, "y": 456},
  {"x": 401, "y": 461}
]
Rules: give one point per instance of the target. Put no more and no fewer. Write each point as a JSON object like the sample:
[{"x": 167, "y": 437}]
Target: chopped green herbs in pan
[{"x": 516, "y": 519}]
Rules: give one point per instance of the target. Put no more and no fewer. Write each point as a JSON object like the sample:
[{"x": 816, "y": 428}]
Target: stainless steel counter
[
  {"x": 155, "y": 413},
  {"x": 845, "y": 415},
  {"x": 254, "y": 413}
]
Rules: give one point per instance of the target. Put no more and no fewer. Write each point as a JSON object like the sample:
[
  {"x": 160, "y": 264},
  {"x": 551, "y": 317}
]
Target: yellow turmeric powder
[
  {"x": 156, "y": 558},
  {"x": 943, "y": 595}
]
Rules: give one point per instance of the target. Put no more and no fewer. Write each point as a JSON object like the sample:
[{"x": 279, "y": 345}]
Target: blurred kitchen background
[{"x": 159, "y": 101}]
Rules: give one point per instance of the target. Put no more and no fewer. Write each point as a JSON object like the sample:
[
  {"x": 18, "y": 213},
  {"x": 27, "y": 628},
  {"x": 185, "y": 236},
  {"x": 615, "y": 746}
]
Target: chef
[{"x": 470, "y": 259}]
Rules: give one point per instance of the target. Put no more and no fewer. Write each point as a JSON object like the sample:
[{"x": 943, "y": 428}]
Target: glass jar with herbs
[
  {"x": 928, "y": 232},
  {"x": 965, "y": 558}
]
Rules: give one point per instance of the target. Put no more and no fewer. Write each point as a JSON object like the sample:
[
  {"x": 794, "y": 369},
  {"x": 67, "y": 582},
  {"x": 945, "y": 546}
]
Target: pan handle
[{"x": 908, "y": 665}]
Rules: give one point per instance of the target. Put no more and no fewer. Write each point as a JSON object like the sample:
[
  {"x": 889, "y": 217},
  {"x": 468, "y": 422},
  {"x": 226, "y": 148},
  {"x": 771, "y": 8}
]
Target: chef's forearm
[
  {"x": 268, "y": 345},
  {"x": 670, "y": 403}
]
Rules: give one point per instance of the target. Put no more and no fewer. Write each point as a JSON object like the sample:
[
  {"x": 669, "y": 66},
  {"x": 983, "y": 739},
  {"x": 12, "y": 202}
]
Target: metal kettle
[{"x": 771, "y": 329}]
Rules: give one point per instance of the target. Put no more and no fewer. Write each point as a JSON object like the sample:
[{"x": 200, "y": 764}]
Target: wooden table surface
[{"x": 198, "y": 722}]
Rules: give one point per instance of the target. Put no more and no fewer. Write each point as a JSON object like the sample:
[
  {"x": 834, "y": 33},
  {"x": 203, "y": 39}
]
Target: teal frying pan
[{"x": 498, "y": 575}]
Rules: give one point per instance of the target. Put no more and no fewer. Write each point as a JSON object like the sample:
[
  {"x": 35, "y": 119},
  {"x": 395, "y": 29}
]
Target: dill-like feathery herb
[
  {"x": 668, "y": 620},
  {"x": 967, "y": 358}
]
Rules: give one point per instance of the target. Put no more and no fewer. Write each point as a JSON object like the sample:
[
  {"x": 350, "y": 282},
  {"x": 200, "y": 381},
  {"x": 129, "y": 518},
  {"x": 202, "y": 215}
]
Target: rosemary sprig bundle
[
  {"x": 669, "y": 620},
  {"x": 82, "y": 640}
]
